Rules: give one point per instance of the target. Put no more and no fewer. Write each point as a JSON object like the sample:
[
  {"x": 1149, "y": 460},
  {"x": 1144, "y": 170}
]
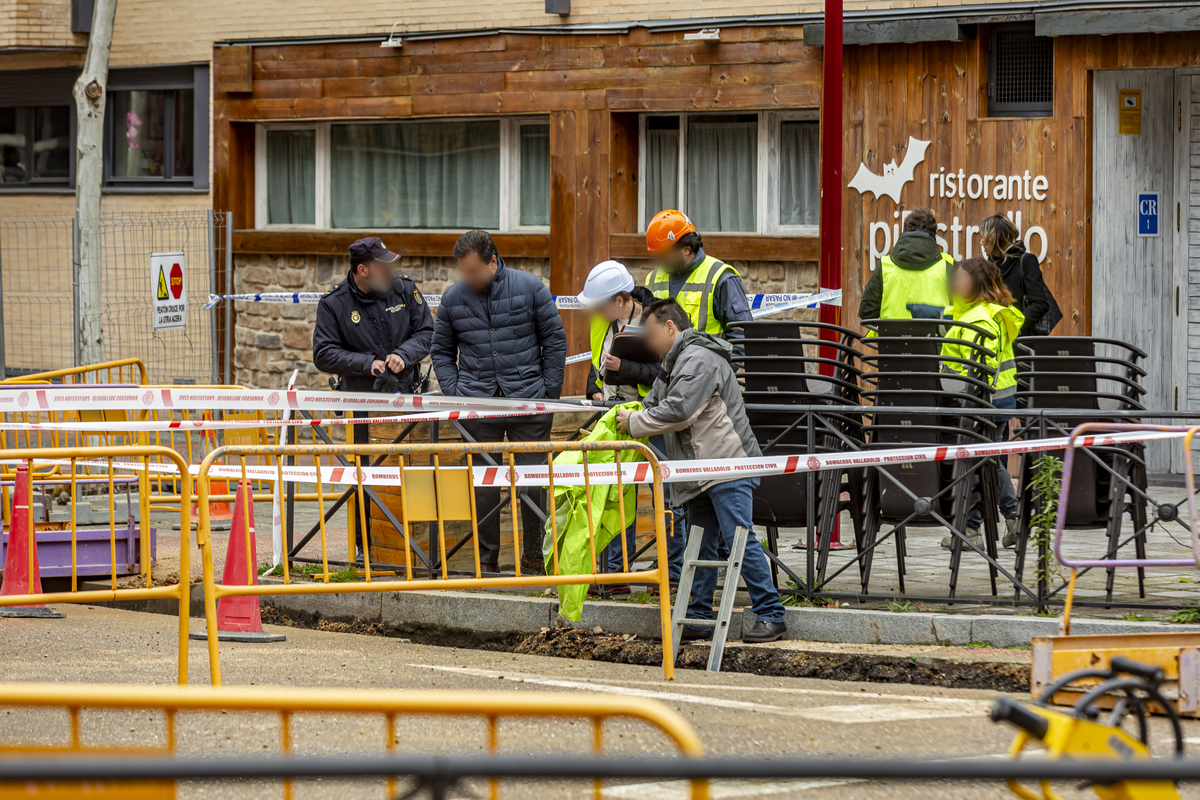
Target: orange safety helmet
[{"x": 666, "y": 229}]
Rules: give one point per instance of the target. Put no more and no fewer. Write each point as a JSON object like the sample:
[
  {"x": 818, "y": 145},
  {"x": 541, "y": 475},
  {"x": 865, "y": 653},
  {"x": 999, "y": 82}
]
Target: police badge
[{"x": 355, "y": 317}]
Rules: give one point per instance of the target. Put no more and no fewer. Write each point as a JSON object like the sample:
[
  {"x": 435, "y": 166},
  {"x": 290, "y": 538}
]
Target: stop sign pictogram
[{"x": 176, "y": 281}]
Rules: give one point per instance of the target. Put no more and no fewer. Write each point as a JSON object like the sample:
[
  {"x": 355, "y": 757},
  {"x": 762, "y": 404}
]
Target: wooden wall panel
[{"x": 946, "y": 82}]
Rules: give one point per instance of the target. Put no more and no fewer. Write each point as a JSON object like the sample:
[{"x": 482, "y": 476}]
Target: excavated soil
[{"x": 614, "y": 648}]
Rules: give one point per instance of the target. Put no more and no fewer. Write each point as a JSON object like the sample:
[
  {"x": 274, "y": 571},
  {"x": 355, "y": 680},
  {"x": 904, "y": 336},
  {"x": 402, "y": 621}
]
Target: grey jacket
[{"x": 696, "y": 404}]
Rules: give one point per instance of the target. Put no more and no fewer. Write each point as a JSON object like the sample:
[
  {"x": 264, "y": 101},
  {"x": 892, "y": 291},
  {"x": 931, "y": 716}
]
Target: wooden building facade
[{"x": 611, "y": 100}]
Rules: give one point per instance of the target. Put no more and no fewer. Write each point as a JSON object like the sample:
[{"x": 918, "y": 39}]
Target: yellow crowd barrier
[
  {"x": 437, "y": 495},
  {"x": 288, "y": 702},
  {"x": 112, "y": 456}
]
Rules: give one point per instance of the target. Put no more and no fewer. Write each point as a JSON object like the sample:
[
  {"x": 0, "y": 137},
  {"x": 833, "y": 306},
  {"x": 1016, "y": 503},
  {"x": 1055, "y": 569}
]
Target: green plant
[
  {"x": 1185, "y": 616},
  {"x": 1046, "y": 484},
  {"x": 793, "y": 599},
  {"x": 347, "y": 575},
  {"x": 1185, "y": 579},
  {"x": 1133, "y": 616},
  {"x": 978, "y": 645},
  {"x": 901, "y": 606}
]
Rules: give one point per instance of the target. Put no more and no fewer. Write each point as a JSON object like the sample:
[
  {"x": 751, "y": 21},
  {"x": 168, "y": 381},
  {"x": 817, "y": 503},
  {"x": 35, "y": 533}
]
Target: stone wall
[{"x": 272, "y": 340}]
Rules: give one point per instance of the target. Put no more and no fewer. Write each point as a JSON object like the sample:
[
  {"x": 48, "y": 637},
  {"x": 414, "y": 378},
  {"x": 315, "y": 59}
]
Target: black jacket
[
  {"x": 914, "y": 250},
  {"x": 355, "y": 329},
  {"x": 507, "y": 338},
  {"x": 1023, "y": 277},
  {"x": 631, "y": 373}
]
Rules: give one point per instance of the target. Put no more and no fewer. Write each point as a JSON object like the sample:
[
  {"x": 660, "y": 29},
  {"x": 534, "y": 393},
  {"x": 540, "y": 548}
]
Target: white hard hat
[{"x": 605, "y": 280}]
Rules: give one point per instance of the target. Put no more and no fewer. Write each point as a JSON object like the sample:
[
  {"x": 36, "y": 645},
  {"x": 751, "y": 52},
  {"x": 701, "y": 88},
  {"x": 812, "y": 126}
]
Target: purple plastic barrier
[{"x": 92, "y": 551}]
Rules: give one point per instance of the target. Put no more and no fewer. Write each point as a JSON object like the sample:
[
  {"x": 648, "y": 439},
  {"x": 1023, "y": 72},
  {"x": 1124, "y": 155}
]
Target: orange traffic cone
[
  {"x": 217, "y": 512},
  {"x": 239, "y": 618},
  {"x": 21, "y": 572}
]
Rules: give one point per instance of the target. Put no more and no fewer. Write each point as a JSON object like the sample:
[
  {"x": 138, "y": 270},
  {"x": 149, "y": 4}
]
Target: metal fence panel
[{"x": 40, "y": 283}]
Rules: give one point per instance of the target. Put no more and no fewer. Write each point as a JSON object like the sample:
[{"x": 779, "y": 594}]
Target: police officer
[
  {"x": 709, "y": 290},
  {"x": 373, "y": 323},
  {"x": 373, "y": 328}
]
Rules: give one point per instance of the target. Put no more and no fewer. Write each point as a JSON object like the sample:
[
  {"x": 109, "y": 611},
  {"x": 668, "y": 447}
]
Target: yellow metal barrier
[
  {"x": 439, "y": 495},
  {"x": 289, "y": 701},
  {"x": 112, "y": 455},
  {"x": 127, "y": 370}
]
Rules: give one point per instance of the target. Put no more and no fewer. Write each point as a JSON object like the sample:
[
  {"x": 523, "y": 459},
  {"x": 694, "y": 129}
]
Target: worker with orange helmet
[{"x": 709, "y": 290}]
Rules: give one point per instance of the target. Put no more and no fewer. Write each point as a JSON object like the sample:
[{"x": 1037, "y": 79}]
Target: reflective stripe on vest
[
  {"x": 919, "y": 294},
  {"x": 696, "y": 294}
]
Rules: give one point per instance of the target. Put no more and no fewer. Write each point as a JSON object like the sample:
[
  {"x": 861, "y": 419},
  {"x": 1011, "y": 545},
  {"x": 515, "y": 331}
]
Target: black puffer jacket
[
  {"x": 354, "y": 330},
  {"x": 1023, "y": 276},
  {"x": 507, "y": 337}
]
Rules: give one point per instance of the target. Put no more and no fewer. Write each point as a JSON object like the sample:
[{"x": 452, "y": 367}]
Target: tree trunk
[{"x": 90, "y": 99}]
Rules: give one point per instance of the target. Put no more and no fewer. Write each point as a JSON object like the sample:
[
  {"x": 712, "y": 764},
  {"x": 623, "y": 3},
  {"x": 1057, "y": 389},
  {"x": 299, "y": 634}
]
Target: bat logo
[{"x": 894, "y": 177}]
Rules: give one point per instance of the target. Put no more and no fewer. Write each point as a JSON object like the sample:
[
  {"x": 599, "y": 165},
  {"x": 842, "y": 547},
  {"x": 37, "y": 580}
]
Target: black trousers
[{"x": 534, "y": 428}]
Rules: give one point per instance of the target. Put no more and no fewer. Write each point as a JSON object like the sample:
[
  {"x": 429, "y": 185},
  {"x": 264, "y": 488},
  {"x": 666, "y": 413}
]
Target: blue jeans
[
  {"x": 718, "y": 512},
  {"x": 675, "y": 546},
  {"x": 1008, "y": 495}
]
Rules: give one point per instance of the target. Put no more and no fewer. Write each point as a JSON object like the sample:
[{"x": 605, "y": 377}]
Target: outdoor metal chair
[{"x": 1101, "y": 375}]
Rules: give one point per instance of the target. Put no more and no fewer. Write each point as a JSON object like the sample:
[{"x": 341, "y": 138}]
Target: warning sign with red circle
[{"x": 168, "y": 291}]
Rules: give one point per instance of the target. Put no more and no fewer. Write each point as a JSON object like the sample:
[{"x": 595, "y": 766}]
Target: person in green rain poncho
[{"x": 571, "y": 513}]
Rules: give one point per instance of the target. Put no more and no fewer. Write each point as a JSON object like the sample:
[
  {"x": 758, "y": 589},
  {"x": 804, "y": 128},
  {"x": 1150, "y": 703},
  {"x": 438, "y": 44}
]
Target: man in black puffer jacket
[{"x": 498, "y": 334}]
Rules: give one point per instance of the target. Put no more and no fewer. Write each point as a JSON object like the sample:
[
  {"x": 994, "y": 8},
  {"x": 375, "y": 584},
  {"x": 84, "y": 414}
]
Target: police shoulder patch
[
  {"x": 417, "y": 296},
  {"x": 355, "y": 317}
]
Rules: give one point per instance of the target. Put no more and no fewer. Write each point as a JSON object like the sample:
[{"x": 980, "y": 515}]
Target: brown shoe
[
  {"x": 532, "y": 566},
  {"x": 489, "y": 568}
]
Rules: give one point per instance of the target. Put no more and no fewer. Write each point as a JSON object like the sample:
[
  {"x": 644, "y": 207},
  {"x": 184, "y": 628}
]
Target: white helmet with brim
[{"x": 606, "y": 279}]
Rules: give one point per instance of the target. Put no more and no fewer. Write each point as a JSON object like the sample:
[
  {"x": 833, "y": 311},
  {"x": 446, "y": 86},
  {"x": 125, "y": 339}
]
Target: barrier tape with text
[
  {"x": 672, "y": 471},
  {"x": 562, "y": 302}
]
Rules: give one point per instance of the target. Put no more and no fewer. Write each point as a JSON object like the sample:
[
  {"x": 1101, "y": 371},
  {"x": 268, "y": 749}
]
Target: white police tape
[
  {"x": 562, "y": 302},
  {"x": 640, "y": 472},
  {"x": 765, "y": 305}
]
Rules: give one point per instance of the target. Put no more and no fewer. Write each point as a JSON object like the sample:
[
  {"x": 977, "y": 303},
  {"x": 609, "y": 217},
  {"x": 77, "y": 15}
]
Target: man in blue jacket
[{"x": 498, "y": 334}]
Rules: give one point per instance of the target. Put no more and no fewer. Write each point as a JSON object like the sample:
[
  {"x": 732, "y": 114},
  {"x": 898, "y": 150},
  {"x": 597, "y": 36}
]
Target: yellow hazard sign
[{"x": 163, "y": 293}]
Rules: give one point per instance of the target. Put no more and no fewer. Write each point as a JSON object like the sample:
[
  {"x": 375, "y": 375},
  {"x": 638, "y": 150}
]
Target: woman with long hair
[
  {"x": 1020, "y": 271},
  {"x": 981, "y": 299}
]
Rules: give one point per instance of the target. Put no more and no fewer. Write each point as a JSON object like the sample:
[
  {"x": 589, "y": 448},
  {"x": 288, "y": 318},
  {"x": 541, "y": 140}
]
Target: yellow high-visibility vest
[
  {"x": 598, "y": 333},
  {"x": 696, "y": 294},
  {"x": 913, "y": 293}
]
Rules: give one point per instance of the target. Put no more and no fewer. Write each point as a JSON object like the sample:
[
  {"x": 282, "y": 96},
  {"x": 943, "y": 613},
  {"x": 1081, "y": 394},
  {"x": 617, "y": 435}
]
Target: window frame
[
  {"x": 510, "y": 170},
  {"x": 1020, "y": 110},
  {"x": 320, "y": 180},
  {"x": 44, "y": 183},
  {"x": 767, "y": 182},
  {"x": 181, "y": 77},
  {"x": 775, "y": 120}
]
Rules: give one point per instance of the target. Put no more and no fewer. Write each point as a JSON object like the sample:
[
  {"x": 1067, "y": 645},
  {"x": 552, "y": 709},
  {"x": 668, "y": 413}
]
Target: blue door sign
[{"x": 1147, "y": 214}]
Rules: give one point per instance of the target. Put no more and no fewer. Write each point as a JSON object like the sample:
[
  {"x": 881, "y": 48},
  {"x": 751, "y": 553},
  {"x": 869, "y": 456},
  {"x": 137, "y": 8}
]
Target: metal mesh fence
[{"x": 41, "y": 284}]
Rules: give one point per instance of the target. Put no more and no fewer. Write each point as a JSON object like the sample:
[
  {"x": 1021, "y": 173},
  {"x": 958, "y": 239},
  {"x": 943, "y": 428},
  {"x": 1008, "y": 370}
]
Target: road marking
[
  {"x": 850, "y": 714},
  {"x": 912, "y": 698},
  {"x": 717, "y": 790},
  {"x": 740, "y": 705},
  {"x": 889, "y": 712}
]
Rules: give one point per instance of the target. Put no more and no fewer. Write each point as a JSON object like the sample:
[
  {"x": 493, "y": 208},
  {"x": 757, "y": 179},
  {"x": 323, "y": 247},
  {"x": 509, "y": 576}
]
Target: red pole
[
  {"x": 831, "y": 186},
  {"x": 831, "y": 161}
]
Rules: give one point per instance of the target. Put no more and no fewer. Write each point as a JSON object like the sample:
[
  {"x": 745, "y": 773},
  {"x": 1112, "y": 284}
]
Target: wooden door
[{"x": 1133, "y": 278}]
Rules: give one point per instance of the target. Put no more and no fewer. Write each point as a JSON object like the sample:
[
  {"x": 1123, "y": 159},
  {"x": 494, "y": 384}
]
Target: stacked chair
[
  {"x": 911, "y": 374},
  {"x": 790, "y": 364},
  {"x": 1056, "y": 373}
]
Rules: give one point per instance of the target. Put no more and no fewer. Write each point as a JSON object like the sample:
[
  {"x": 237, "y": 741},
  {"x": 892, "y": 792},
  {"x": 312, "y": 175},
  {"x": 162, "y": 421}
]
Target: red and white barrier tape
[
  {"x": 639, "y": 472},
  {"x": 161, "y": 425},
  {"x": 54, "y": 398}
]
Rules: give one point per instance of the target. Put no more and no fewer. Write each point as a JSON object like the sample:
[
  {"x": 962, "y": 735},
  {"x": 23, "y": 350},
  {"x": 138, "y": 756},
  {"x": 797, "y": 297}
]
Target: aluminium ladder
[{"x": 733, "y": 573}]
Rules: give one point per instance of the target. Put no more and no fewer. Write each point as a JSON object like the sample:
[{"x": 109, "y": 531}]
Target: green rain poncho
[{"x": 570, "y": 507}]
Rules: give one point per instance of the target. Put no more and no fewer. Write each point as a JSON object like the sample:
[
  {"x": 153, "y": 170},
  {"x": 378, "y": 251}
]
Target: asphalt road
[{"x": 734, "y": 714}]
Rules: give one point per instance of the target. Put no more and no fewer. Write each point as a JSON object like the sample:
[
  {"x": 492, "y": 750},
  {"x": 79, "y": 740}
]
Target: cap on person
[
  {"x": 667, "y": 228},
  {"x": 608, "y": 278},
  {"x": 371, "y": 248}
]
